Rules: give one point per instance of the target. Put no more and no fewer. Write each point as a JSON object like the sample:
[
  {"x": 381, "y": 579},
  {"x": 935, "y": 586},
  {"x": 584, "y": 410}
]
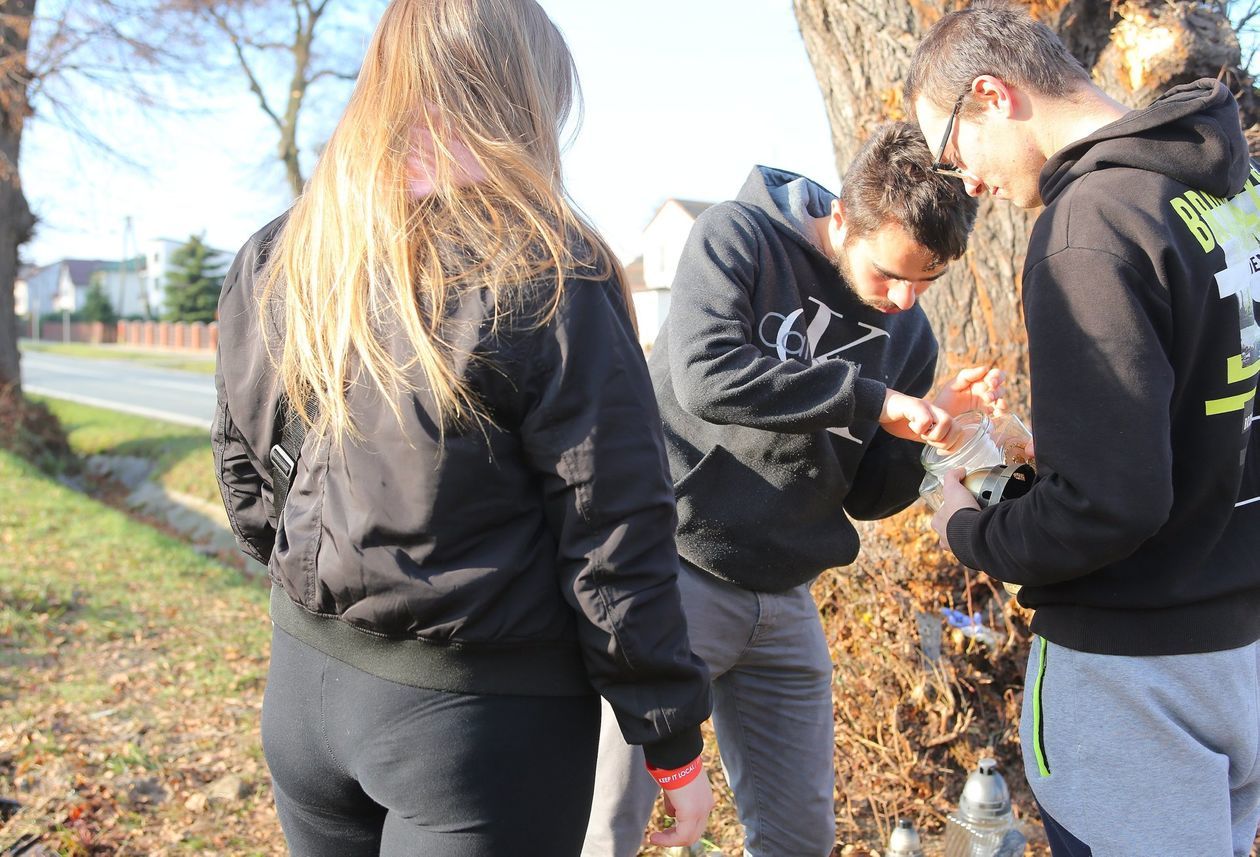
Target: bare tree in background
[
  {"x": 293, "y": 43},
  {"x": 55, "y": 61},
  {"x": 16, "y": 220},
  {"x": 46, "y": 64},
  {"x": 1245, "y": 17}
]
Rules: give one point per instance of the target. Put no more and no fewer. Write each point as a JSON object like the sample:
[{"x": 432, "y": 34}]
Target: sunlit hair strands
[{"x": 441, "y": 180}]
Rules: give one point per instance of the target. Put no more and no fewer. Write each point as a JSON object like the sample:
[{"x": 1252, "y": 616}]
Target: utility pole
[{"x": 129, "y": 251}]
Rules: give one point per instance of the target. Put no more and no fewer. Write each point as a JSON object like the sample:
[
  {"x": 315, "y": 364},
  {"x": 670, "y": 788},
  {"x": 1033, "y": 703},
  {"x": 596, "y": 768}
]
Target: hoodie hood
[
  {"x": 1191, "y": 133},
  {"x": 791, "y": 201}
]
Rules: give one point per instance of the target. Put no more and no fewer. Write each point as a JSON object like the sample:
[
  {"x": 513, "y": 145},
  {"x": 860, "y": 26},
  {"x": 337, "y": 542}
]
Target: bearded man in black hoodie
[
  {"x": 1139, "y": 546},
  {"x": 789, "y": 377}
]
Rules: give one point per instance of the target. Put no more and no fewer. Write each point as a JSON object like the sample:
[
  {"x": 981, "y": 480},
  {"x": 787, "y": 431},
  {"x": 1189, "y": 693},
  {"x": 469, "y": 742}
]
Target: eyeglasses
[{"x": 941, "y": 166}]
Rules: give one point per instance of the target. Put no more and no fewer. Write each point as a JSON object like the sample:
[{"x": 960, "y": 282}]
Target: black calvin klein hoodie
[
  {"x": 770, "y": 375},
  {"x": 1143, "y": 535}
]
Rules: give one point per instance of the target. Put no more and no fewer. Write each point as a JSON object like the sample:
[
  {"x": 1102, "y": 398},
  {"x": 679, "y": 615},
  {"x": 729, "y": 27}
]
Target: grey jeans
[
  {"x": 772, "y": 713},
  {"x": 1151, "y": 755}
]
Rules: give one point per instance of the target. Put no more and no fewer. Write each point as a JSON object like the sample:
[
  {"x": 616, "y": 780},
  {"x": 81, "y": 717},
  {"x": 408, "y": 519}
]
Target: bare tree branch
[
  {"x": 1242, "y": 21},
  {"x": 263, "y": 46},
  {"x": 254, "y": 86},
  {"x": 292, "y": 32},
  {"x": 329, "y": 72}
]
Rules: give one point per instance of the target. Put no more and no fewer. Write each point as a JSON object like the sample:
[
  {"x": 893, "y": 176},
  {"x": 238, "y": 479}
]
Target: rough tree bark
[{"x": 16, "y": 220}]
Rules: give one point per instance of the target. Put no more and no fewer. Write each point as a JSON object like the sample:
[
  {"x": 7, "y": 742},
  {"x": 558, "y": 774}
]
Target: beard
[{"x": 841, "y": 264}]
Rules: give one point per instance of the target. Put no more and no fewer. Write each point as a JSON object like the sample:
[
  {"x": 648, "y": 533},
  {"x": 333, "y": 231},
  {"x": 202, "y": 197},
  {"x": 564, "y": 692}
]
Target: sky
[{"x": 682, "y": 98}]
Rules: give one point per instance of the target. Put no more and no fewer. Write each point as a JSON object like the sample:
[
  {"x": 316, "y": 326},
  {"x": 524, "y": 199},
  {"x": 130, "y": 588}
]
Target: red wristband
[{"x": 676, "y": 778}]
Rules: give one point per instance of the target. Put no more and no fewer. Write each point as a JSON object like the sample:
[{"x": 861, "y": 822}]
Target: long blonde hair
[{"x": 364, "y": 262}]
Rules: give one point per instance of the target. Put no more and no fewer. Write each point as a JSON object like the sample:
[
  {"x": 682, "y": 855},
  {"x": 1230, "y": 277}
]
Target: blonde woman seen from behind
[{"x": 477, "y": 537}]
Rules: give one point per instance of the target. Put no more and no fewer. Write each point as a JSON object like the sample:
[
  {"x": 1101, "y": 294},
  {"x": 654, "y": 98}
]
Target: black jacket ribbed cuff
[{"x": 674, "y": 751}]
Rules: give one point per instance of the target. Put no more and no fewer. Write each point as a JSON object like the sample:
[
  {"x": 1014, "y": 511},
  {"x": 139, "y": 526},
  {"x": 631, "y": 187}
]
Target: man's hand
[
  {"x": 689, "y": 806},
  {"x": 914, "y": 419},
  {"x": 978, "y": 388},
  {"x": 956, "y": 497}
]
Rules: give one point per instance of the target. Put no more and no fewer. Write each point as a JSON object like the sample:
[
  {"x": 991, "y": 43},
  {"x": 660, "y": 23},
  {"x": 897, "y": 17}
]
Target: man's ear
[
  {"x": 994, "y": 94},
  {"x": 836, "y": 224},
  {"x": 837, "y": 213}
]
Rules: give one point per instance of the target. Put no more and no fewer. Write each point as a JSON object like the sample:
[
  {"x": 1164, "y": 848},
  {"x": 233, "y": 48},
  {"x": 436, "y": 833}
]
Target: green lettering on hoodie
[{"x": 1141, "y": 534}]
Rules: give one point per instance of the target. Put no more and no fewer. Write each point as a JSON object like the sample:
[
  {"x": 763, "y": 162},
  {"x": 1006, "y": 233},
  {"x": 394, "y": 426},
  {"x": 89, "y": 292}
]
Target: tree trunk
[
  {"x": 293, "y": 108},
  {"x": 16, "y": 220},
  {"x": 905, "y": 734},
  {"x": 860, "y": 52}
]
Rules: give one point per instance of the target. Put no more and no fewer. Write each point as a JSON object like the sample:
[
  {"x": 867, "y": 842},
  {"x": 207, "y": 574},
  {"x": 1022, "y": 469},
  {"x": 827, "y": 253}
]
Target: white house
[
  {"x": 157, "y": 266},
  {"x": 135, "y": 286},
  {"x": 24, "y": 294},
  {"x": 651, "y": 275},
  {"x": 51, "y": 288}
]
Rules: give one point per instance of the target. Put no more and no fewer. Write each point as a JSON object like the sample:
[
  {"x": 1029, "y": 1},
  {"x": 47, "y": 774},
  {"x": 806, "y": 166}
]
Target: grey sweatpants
[
  {"x": 772, "y": 713},
  {"x": 1139, "y": 756}
]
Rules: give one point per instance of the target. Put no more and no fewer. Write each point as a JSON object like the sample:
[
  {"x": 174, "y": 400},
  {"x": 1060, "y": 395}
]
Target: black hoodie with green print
[{"x": 1142, "y": 536}]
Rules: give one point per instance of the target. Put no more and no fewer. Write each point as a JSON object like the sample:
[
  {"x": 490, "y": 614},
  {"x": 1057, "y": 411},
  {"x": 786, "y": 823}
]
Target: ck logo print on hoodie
[{"x": 776, "y": 331}]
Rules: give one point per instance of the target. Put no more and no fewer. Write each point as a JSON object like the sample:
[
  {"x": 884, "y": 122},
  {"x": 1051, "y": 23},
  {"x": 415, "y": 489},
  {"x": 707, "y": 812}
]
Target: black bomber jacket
[{"x": 532, "y": 556}]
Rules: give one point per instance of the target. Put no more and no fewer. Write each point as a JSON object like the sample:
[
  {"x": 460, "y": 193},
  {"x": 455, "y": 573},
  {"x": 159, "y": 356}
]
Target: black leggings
[
  {"x": 1062, "y": 843},
  {"x": 364, "y": 766}
]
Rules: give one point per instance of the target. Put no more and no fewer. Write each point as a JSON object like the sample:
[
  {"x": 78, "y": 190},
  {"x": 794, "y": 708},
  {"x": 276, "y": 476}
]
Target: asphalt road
[{"x": 165, "y": 394}]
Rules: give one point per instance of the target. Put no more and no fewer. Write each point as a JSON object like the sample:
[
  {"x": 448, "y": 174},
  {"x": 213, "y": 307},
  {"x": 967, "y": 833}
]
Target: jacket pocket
[
  {"x": 765, "y": 526},
  {"x": 301, "y": 527}
]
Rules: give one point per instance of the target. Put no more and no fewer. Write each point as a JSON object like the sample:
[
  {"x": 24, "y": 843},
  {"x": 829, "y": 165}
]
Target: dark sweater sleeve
[
  {"x": 1101, "y": 390},
  {"x": 592, "y": 432},
  {"x": 719, "y": 374},
  {"x": 891, "y": 471}
]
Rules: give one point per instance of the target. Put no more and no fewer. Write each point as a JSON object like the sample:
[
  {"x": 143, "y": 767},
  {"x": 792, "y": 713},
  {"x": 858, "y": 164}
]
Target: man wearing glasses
[{"x": 1139, "y": 546}]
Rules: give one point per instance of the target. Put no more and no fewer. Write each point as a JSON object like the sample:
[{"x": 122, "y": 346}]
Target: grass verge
[
  {"x": 131, "y": 677},
  {"x": 203, "y": 365},
  {"x": 180, "y": 455}
]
